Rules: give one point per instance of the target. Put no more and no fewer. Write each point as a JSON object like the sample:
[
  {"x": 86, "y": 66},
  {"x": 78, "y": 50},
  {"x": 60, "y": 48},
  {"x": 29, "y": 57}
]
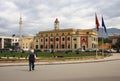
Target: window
[
  {"x": 36, "y": 40},
  {"x": 41, "y": 46},
  {"x": 57, "y": 39},
  {"x": 87, "y": 32},
  {"x": 74, "y": 39},
  {"x": 41, "y": 40},
  {"x": 63, "y": 39},
  {"x": 57, "y": 46},
  {"x": 46, "y": 46},
  {"x": 68, "y": 45},
  {"x": 46, "y": 40},
  {"x": 51, "y": 46},
  {"x": 46, "y": 35},
  {"x": 68, "y": 38},
  {"x": 92, "y": 46},
  {"x": 83, "y": 39},
  {"x": 63, "y": 46},
  {"x": 51, "y": 39},
  {"x": 36, "y": 46},
  {"x": 68, "y": 33},
  {"x": 75, "y": 46}
]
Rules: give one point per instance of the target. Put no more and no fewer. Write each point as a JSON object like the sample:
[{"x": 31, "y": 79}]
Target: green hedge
[{"x": 44, "y": 55}]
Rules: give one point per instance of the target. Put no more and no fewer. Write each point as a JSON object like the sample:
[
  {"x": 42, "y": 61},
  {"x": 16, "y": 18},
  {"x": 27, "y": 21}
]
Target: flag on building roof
[
  {"x": 103, "y": 25},
  {"x": 97, "y": 22}
]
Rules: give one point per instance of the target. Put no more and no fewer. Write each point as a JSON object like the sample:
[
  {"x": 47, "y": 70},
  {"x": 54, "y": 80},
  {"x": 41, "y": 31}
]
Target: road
[{"x": 98, "y": 71}]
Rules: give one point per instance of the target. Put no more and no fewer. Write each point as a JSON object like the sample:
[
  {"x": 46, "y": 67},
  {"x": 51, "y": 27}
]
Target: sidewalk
[{"x": 110, "y": 58}]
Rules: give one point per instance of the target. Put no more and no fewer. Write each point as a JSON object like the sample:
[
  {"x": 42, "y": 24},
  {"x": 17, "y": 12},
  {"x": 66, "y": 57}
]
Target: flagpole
[
  {"x": 105, "y": 31},
  {"x": 102, "y": 43},
  {"x": 97, "y": 46},
  {"x": 97, "y": 26}
]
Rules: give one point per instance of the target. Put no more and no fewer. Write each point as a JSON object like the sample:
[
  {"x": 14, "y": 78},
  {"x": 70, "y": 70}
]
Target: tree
[
  {"x": 107, "y": 40},
  {"x": 118, "y": 45}
]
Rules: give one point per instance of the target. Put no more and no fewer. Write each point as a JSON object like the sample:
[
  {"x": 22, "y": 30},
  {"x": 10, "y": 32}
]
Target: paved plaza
[{"x": 91, "y": 71}]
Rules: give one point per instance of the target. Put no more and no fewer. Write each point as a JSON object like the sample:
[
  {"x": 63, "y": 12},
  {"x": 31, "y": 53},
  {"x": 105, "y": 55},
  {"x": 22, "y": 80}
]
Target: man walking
[{"x": 31, "y": 60}]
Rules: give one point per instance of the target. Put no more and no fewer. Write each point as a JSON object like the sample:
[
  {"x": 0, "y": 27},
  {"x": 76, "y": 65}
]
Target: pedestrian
[{"x": 31, "y": 60}]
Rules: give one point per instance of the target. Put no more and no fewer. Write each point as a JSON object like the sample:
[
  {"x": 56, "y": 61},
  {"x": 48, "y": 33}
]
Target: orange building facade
[{"x": 66, "y": 39}]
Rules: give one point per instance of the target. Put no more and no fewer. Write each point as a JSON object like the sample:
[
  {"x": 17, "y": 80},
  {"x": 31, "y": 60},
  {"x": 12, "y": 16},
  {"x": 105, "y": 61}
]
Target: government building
[
  {"x": 8, "y": 41},
  {"x": 66, "y": 39}
]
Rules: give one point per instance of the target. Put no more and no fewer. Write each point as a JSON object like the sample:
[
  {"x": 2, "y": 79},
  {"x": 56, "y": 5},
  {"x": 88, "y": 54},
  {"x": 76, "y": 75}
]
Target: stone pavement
[{"x": 115, "y": 56}]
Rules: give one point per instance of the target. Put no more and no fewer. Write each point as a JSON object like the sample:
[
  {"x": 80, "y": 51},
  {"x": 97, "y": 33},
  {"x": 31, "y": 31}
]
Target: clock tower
[{"x": 56, "y": 24}]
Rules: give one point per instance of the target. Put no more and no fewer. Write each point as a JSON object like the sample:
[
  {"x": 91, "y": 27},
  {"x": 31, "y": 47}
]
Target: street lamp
[{"x": 13, "y": 41}]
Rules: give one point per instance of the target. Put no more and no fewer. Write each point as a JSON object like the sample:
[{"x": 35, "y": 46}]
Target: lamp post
[{"x": 13, "y": 41}]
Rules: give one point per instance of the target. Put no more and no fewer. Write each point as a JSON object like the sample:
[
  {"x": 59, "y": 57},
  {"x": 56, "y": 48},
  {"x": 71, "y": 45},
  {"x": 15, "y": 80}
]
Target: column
[
  {"x": 49, "y": 42},
  {"x": 54, "y": 43},
  {"x": 2, "y": 42},
  {"x": 66, "y": 42},
  {"x": 60, "y": 42}
]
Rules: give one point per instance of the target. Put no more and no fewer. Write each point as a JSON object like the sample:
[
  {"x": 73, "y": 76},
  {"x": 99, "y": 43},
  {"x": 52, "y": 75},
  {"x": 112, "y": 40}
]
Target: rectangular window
[
  {"x": 36, "y": 46},
  {"x": 36, "y": 40},
  {"x": 75, "y": 46},
  {"x": 68, "y": 45},
  {"x": 63, "y": 46},
  {"x": 41, "y": 46}
]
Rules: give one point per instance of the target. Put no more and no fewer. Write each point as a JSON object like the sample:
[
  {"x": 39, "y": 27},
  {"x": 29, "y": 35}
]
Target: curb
[{"x": 57, "y": 63}]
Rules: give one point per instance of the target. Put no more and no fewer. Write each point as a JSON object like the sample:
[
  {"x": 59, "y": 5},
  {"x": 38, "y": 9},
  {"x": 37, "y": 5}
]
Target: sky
[{"x": 39, "y": 15}]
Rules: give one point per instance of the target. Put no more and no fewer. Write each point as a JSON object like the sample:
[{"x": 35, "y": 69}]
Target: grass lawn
[{"x": 45, "y": 57}]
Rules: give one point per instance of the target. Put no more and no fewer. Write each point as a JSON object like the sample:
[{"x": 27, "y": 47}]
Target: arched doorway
[{"x": 83, "y": 48}]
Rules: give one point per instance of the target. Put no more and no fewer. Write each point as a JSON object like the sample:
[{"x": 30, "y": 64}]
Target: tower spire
[{"x": 20, "y": 31}]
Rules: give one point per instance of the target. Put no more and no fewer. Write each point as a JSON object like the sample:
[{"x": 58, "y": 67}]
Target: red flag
[{"x": 97, "y": 22}]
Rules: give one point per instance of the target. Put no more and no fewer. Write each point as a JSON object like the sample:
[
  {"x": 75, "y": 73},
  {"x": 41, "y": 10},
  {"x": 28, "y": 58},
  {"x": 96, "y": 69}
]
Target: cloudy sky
[{"x": 39, "y": 15}]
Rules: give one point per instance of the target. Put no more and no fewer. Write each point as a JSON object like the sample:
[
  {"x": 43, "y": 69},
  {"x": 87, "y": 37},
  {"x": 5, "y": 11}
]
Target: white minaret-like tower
[
  {"x": 56, "y": 24},
  {"x": 20, "y": 32}
]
